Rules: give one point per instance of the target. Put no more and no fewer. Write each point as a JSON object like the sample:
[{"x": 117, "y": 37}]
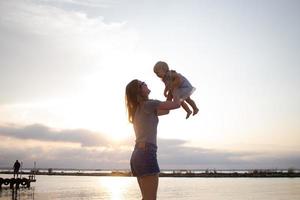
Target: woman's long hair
[{"x": 132, "y": 98}]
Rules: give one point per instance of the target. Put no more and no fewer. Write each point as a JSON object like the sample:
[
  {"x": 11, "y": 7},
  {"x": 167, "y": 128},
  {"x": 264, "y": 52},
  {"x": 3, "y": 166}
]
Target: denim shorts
[{"x": 143, "y": 161}]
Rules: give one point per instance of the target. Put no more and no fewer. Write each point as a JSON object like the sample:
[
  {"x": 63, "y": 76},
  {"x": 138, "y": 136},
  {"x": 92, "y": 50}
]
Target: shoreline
[{"x": 259, "y": 174}]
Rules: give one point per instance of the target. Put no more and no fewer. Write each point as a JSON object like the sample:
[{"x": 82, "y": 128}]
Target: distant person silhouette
[
  {"x": 17, "y": 166},
  {"x": 143, "y": 114},
  {"x": 176, "y": 86}
]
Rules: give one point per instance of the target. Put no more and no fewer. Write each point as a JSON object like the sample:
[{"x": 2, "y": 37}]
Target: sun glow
[
  {"x": 89, "y": 109},
  {"x": 116, "y": 186}
]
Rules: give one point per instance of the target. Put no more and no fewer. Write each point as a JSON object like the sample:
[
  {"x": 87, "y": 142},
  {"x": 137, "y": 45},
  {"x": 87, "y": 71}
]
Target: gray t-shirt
[{"x": 145, "y": 122}]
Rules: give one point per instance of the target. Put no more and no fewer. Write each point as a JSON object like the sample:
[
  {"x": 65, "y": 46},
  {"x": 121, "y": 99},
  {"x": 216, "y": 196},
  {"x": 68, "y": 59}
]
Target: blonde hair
[
  {"x": 132, "y": 98},
  {"x": 160, "y": 65}
]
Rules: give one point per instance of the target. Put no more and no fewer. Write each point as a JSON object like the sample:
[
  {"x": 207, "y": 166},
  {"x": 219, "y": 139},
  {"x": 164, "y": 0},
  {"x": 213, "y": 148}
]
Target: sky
[{"x": 64, "y": 66}]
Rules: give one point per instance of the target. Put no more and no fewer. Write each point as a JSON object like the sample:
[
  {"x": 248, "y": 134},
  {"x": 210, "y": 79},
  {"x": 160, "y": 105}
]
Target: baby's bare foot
[
  {"x": 188, "y": 114},
  {"x": 195, "y": 111}
]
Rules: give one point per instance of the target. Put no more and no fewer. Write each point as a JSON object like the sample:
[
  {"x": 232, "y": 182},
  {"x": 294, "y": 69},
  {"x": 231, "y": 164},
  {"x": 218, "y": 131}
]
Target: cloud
[
  {"x": 174, "y": 153},
  {"x": 47, "y": 51},
  {"x": 82, "y": 3},
  {"x": 43, "y": 133},
  {"x": 97, "y": 151},
  {"x": 65, "y": 157},
  {"x": 197, "y": 157}
]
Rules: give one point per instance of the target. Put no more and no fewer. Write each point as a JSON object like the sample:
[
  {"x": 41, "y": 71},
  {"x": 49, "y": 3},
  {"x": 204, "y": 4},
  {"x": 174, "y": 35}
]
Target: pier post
[
  {"x": 18, "y": 182},
  {"x": 11, "y": 184}
]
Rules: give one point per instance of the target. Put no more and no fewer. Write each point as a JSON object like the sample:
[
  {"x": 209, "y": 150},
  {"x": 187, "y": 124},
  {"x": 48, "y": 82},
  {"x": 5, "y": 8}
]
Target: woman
[{"x": 143, "y": 114}]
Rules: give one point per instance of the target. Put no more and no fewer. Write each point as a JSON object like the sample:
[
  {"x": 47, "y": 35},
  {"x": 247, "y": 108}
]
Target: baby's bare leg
[
  {"x": 187, "y": 109},
  {"x": 193, "y": 104}
]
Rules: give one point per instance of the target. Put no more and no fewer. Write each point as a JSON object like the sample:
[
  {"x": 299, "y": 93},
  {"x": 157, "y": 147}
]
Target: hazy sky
[{"x": 64, "y": 65}]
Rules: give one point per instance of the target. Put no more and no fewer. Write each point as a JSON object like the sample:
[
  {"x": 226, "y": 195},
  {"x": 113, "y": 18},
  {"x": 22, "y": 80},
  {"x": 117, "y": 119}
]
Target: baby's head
[{"x": 161, "y": 68}]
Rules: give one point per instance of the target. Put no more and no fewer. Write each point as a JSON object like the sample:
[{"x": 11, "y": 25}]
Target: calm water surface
[{"x": 118, "y": 188}]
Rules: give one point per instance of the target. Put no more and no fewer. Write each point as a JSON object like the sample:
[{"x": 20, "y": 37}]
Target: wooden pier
[{"x": 17, "y": 182}]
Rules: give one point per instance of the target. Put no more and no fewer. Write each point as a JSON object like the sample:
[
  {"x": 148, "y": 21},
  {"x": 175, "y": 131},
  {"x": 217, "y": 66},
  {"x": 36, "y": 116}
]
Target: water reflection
[
  {"x": 116, "y": 187},
  {"x": 17, "y": 194}
]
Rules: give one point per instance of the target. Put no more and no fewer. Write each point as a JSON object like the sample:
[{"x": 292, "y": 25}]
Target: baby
[{"x": 176, "y": 86}]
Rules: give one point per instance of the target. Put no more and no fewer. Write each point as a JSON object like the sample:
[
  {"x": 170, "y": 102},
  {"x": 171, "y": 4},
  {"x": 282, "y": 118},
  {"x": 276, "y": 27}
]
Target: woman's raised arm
[{"x": 165, "y": 106}]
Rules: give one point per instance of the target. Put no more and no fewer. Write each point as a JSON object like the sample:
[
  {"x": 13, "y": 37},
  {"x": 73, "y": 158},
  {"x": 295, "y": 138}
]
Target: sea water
[{"x": 118, "y": 188}]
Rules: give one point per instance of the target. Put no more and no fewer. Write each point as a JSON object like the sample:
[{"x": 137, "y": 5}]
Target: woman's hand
[{"x": 167, "y": 91}]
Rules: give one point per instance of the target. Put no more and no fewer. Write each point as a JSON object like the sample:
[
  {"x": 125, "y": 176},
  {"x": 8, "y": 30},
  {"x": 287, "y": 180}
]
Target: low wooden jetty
[{"x": 17, "y": 182}]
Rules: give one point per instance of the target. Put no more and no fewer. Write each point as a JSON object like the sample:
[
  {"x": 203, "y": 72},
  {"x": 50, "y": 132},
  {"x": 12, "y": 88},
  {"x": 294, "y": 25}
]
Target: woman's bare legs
[
  {"x": 148, "y": 186},
  {"x": 193, "y": 104}
]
